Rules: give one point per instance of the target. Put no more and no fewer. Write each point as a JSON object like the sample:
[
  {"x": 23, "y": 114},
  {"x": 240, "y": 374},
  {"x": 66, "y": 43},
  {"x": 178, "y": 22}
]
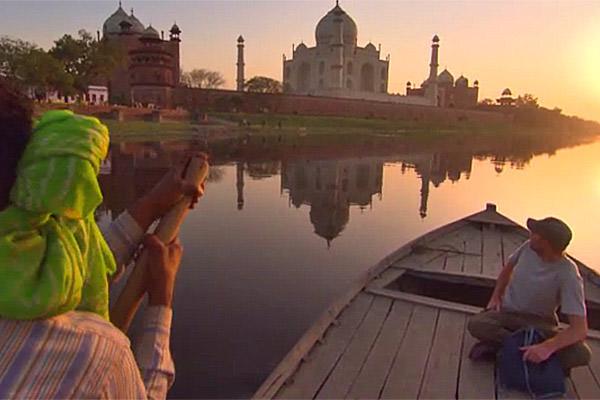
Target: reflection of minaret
[
  {"x": 240, "y": 64},
  {"x": 424, "y": 193},
  {"x": 240, "y": 184}
]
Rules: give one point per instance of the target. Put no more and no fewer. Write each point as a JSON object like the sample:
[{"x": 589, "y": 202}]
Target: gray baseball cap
[{"x": 555, "y": 231}]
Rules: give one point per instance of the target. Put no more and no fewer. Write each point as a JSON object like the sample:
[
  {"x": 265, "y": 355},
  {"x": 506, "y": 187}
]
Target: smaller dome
[
  {"x": 445, "y": 77},
  {"x": 476, "y": 83},
  {"x": 506, "y": 92},
  {"x": 240, "y": 39},
  {"x": 136, "y": 24},
  {"x": 151, "y": 33},
  {"x": 435, "y": 39},
  {"x": 175, "y": 29},
  {"x": 461, "y": 82},
  {"x": 370, "y": 47},
  {"x": 408, "y": 83},
  {"x": 301, "y": 46}
]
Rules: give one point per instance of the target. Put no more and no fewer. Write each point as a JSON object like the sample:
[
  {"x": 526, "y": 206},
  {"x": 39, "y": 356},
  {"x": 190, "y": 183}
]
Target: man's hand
[
  {"x": 162, "y": 269},
  {"x": 493, "y": 304},
  {"x": 168, "y": 191},
  {"x": 537, "y": 352},
  {"x": 172, "y": 187}
]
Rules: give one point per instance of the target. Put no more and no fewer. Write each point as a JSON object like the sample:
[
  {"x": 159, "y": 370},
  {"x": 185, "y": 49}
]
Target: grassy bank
[
  {"x": 293, "y": 129},
  {"x": 345, "y": 125},
  {"x": 145, "y": 130}
]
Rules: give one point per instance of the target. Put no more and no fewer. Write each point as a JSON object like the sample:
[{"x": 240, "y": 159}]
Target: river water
[{"x": 282, "y": 231}]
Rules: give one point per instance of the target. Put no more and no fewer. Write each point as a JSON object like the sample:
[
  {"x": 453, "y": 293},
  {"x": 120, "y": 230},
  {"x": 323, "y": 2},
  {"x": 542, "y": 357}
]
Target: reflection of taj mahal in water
[{"x": 329, "y": 187}]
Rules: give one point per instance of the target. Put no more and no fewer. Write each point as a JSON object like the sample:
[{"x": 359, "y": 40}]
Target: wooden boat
[{"x": 400, "y": 331}]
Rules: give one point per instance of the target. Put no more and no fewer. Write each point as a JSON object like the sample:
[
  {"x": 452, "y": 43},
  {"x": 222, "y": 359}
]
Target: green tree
[
  {"x": 202, "y": 78},
  {"x": 12, "y": 53},
  {"x": 33, "y": 67},
  {"x": 41, "y": 72},
  {"x": 263, "y": 84},
  {"x": 86, "y": 59},
  {"x": 527, "y": 100}
]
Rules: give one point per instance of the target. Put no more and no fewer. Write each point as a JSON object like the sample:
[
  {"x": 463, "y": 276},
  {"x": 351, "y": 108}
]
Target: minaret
[
  {"x": 431, "y": 84},
  {"x": 175, "y": 41},
  {"x": 240, "y": 64},
  {"x": 433, "y": 66},
  {"x": 337, "y": 67}
]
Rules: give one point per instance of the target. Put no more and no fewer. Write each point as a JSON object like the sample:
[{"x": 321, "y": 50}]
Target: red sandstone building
[{"x": 150, "y": 70}]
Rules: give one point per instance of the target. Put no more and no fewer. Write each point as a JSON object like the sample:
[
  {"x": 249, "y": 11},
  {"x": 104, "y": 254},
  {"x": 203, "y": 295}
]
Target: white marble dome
[
  {"x": 326, "y": 28},
  {"x": 446, "y": 77},
  {"x": 370, "y": 47},
  {"x": 462, "y": 82}
]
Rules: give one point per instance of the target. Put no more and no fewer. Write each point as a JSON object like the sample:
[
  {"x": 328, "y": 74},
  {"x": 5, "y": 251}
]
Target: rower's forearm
[{"x": 143, "y": 211}]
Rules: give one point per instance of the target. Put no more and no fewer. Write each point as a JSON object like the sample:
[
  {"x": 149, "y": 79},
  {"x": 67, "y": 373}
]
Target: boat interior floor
[{"x": 389, "y": 347}]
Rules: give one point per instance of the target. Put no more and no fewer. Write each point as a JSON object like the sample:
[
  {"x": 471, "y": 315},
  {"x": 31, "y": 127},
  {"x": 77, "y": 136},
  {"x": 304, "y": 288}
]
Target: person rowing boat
[{"x": 55, "y": 265}]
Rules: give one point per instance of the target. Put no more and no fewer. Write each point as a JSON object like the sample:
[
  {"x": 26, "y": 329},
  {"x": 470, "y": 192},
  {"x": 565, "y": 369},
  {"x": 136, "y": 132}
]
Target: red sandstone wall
[
  {"x": 227, "y": 100},
  {"x": 129, "y": 113}
]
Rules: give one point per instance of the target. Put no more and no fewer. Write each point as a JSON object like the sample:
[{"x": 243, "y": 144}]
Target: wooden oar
[{"x": 132, "y": 294}]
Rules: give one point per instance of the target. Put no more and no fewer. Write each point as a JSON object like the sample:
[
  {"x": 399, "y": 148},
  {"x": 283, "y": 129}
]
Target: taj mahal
[{"x": 338, "y": 67}]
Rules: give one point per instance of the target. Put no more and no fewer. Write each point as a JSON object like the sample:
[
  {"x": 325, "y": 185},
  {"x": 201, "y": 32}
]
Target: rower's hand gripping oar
[{"x": 132, "y": 294}]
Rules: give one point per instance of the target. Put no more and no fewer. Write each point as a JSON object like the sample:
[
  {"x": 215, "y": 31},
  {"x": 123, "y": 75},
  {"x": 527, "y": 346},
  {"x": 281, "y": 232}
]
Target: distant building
[
  {"x": 441, "y": 89},
  {"x": 95, "y": 95},
  {"x": 150, "y": 71},
  {"x": 338, "y": 67},
  {"x": 506, "y": 99}
]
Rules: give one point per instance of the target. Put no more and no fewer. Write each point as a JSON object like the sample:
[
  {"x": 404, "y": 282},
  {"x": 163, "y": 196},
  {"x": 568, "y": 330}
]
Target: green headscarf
[{"x": 53, "y": 257}]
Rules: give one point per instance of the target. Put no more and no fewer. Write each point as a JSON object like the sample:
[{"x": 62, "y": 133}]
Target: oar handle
[{"x": 132, "y": 294}]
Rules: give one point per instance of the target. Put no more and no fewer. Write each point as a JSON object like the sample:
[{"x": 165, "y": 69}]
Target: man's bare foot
[{"x": 483, "y": 351}]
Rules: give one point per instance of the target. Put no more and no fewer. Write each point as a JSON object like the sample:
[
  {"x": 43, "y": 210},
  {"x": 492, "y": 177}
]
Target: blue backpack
[{"x": 542, "y": 380}]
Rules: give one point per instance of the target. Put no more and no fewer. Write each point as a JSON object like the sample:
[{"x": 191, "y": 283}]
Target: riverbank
[
  {"x": 128, "y": 131},
  {"x": 317, "y": 130}
]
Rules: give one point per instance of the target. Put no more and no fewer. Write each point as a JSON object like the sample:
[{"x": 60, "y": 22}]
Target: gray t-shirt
[{"x": 539, "y": 287}]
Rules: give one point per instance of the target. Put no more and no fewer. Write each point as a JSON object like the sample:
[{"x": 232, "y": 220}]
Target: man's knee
[
  {"x": 483, "y": 326},
  {"x": 576, "y": 355}
]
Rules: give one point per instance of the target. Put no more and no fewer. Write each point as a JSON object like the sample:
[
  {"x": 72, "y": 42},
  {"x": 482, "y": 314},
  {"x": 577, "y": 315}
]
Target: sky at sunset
[{"x": 548, "y": 48}]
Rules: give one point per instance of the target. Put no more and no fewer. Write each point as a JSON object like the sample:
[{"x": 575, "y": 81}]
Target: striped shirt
[{"x": 81, "y": 355}]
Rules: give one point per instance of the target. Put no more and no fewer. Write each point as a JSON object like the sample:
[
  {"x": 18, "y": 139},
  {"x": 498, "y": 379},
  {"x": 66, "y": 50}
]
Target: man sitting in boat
[
  {"x": 537, "y": 279},
  {"x": 56, "y": 340}
]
